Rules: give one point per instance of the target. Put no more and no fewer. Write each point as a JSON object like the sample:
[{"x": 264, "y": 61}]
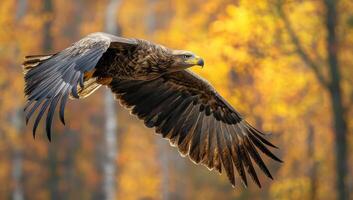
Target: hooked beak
[
  {"x": 200, "y": 62},
  {"x": 196, "y": 61}
]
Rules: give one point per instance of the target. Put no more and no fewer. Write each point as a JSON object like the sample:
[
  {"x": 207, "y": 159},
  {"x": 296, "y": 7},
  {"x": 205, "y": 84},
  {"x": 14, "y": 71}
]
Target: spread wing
[
  {"x": 195, "y": 118},
  {"x": 51, "y": 79}
]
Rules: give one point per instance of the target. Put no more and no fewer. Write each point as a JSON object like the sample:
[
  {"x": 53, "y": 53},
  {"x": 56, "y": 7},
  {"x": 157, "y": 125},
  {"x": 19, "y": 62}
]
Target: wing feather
[
  {"x": 187, "y": 110},
  {"x": 53, "y": 78}
]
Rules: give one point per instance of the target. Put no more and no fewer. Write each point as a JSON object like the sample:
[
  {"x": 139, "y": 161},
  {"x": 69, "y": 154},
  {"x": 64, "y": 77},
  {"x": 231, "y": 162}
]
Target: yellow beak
[{"x": 197, "y": 60}]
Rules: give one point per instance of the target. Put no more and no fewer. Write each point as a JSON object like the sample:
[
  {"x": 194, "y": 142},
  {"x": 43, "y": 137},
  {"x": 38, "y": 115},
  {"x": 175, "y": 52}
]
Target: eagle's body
[
  {"x": 144, "y": 61},
  {"x": 153, "y": 81}
]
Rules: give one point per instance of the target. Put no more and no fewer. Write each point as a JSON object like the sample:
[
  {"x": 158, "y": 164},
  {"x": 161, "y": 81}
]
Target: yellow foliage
[
  {"x": 249, "y": 58},
  {"x": 292, "y": 189}
]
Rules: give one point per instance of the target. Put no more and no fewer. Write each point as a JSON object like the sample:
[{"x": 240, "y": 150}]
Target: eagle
[{"x": 154, "y": 82}]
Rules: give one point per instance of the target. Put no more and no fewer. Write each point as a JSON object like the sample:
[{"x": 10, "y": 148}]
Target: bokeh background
[{"x": 286, "y": 65}]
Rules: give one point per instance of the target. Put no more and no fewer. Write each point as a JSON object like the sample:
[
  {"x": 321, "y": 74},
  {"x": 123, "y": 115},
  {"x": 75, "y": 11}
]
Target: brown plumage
[{"x": 153, "y": 81}]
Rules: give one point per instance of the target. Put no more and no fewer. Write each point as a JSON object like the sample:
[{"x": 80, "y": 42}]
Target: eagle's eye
[{"x": 187, "y": 56}]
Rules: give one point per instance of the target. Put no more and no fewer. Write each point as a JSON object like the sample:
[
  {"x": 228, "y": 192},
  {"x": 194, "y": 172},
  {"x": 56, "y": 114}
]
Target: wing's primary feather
[
  {"x": 188, "y": 111},
  {"x": 53, "y": 78}
]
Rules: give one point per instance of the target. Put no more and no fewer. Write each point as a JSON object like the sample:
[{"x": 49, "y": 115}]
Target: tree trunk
[
  {"x": 162, "y": 145},
  {"x": 162, "y": 149},
  {"x": 47, "y": 45},
  {"x": 17, "y": 157},
  {"x": 71, "y": 139},
  {"x": 340, "y": 124},
  {"x": 47, "y": 37},
  {"x": 111, "y": 150},
  {"x": 21, "y": 9},
  {"x": 314, "y": 163},
  {"x": 17, "y": 122},
  {"x": 333, "y": 86}
]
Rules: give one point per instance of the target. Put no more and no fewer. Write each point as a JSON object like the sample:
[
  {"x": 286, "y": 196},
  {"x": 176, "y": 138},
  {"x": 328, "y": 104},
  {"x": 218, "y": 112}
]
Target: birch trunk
[
  {"x": 162, "y": 145},
  {"x": 17, "y": 122},
  {"x": 111, "y": 151},
  {"x": 17, "y": 157}
]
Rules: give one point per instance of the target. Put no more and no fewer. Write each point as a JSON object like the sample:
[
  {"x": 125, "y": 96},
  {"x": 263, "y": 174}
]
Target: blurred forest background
[{"x": 286, "y": 65}]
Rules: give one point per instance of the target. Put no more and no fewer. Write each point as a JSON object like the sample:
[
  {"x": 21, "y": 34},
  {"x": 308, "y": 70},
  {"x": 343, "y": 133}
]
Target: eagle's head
[{"x": 185, "y": 59}]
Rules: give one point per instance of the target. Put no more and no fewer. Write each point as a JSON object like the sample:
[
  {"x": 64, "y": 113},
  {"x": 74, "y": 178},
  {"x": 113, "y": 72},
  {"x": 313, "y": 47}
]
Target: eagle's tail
[{"x": 90, "y": 84}]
